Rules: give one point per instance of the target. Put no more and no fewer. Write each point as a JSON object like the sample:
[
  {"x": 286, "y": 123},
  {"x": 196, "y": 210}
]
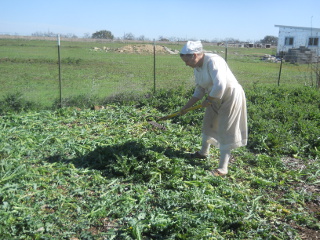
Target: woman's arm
[{"x": 189, "y": 104}]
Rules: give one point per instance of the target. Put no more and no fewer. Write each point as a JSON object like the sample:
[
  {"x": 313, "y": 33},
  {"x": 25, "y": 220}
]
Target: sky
[{"x": 244, "y": 20}]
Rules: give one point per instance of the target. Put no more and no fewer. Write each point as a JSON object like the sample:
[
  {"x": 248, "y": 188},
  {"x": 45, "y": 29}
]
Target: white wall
[{"x": 301, "y": 38}]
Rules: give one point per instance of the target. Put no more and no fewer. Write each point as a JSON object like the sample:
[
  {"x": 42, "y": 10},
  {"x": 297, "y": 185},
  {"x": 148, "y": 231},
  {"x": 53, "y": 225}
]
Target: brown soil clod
[{"x": 157, "y": 125}]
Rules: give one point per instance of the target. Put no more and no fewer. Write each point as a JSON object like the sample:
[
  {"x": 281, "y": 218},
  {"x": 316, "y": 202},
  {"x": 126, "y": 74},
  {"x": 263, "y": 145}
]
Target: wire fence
[{"x": 47, "y": 72}]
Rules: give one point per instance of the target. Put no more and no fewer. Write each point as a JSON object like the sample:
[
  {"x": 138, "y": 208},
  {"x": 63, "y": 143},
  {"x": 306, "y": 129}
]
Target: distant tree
[
  {"x": 163, "y": 39},
  {"x": 173, "y": 39},
  {"x": 52, "y": 34},
  {"x": 128, "y": 36},
  {"x": 270, "y": 40},
  {"x": 141, "y": 38},
  {"x": 231, "y": 40},
  {"x": 86, "y": 35},
  {"x": 69, "y": 35},
  {"x": 44, "y": 34},
  {"x": 103, "y": 34}
]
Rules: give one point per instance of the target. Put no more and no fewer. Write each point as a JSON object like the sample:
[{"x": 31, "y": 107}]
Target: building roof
[{"x": 304, "y": 28}]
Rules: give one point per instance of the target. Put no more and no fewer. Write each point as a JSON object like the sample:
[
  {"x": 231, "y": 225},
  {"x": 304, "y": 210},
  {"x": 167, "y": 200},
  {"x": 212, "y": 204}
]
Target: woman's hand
[
  {"x": 209, "y": 100},
  {"x": 189, "y": 104},
  {"x": 206, "y": 103}
]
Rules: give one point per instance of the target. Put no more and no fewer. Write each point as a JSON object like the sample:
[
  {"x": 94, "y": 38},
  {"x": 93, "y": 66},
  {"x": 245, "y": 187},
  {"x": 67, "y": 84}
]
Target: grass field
[
  {"x": 30, "y": 67},
  {"x": 75, "y": 173}
]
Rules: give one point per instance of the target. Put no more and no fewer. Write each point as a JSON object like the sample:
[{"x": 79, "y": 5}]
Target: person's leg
[
  {"x": 224, "y": 161},
  {"x": 205, "y": 147},
  {"x": 204, "y": 151}
]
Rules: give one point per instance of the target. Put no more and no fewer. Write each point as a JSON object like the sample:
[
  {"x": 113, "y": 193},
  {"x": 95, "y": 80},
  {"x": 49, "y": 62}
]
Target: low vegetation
[{"x": 76, "y": 173}]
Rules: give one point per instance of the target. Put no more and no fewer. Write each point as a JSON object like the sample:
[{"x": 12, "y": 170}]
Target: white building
[{"x": 298, "y": 37}]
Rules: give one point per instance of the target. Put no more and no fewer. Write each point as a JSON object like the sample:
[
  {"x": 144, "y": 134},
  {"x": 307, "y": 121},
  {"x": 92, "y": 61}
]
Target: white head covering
[{"x": 192, "y": 47}]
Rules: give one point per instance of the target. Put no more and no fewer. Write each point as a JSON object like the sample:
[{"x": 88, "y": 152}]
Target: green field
[
  {"x": 30, "y": 67},
  {"x": 75, "y": 173}
]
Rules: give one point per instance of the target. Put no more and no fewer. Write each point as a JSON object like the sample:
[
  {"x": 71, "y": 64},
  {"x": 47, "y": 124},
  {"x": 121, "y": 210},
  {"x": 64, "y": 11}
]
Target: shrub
[
  {"x": 80, "y": 101},
  {"x": 15, "y": 102}
]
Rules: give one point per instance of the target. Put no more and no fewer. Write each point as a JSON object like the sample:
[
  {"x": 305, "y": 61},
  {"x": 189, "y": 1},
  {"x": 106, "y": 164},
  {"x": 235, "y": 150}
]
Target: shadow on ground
[{"x": 121, "y": 160}]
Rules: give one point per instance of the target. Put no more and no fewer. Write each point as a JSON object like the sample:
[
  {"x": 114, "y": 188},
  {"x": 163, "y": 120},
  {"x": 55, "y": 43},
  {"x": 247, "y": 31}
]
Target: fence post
[
  {"x": 59, "y": 62},
  {"x": 226, "y": 53},
  {"x": 154, "y": 66},
  {"x": 280, "y": 70}
]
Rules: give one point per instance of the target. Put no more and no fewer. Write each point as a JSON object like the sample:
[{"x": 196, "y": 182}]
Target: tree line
[{"x": 105, "y": 34}]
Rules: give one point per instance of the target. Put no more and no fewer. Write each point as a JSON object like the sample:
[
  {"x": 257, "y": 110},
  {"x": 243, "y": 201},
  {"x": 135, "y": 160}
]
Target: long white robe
[{"x": 225, "y": 121}]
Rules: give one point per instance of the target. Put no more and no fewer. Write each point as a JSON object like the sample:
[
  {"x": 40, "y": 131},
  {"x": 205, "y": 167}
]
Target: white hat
[{"x": 192, "y": 47}]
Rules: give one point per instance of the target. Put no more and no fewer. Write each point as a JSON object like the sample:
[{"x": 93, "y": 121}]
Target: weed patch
[
  {"x": 108, "y": 174},
  {"x": 16, "y": 103}
]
